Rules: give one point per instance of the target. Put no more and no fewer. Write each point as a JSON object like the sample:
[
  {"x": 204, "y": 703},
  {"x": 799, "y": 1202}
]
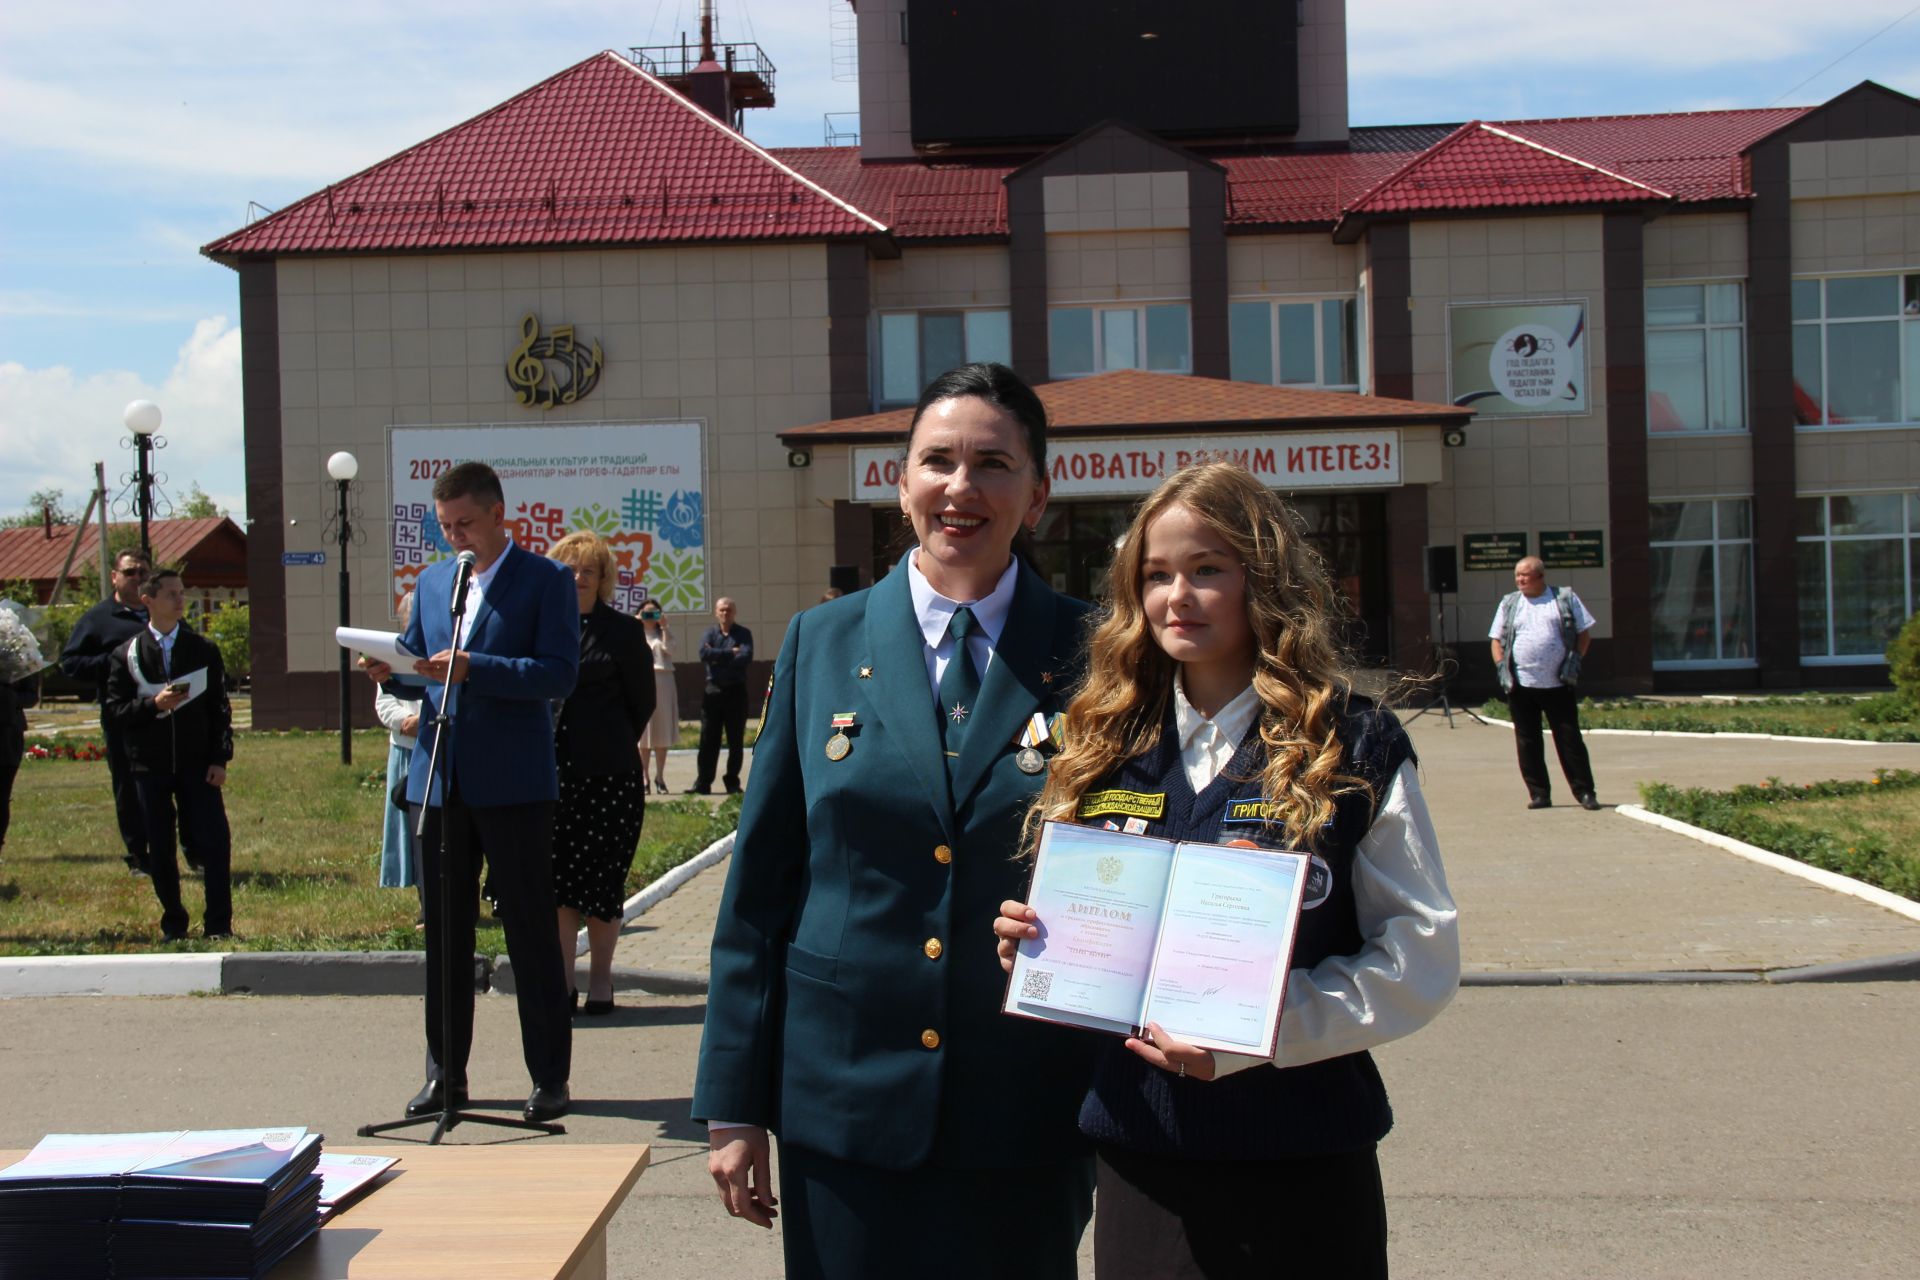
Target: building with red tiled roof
[
  {"x": 211, "y": 553},
  {"x": 1669, "y": 353}
]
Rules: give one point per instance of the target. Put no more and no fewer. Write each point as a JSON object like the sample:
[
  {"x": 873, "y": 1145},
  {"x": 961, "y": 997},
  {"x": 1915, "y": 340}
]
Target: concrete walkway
[{"x": 1561, "y": 890}]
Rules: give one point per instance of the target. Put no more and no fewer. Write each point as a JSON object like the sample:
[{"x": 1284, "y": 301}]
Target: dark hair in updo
[{"x": 1000, "y": 387}]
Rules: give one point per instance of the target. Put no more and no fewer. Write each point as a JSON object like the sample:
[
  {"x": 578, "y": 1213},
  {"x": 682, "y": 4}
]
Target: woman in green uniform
[{"x": 854, "y": 1006}]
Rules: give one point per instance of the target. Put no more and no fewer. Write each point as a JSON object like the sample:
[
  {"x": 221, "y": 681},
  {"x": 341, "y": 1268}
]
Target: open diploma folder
[{"x": 1195, "y": 937}]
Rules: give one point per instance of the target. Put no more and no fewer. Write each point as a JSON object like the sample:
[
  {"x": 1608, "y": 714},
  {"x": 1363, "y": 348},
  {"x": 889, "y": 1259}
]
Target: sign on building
[
  {"x": 1573, "y": 549},
  {"x": 1518, "y": 359},
  {"x": 1091, "y": 468},
  {"x": 1492, "y": 550},
  {"x": 638, "y": 485}
]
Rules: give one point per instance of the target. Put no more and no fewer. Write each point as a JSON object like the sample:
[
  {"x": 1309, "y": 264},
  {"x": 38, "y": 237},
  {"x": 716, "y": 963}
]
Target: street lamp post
[
  {"x": 143, "y": 419},
  {"x": 343, "y": 467}
]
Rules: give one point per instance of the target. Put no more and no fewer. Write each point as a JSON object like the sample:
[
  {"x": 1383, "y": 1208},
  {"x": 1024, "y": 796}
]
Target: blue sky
[{"x": 133, "y": 133}]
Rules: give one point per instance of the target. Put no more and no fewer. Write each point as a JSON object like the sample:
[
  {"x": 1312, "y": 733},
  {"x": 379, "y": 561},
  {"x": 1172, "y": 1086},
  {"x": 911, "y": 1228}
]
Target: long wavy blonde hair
[{"x": 1120, "y": 709}]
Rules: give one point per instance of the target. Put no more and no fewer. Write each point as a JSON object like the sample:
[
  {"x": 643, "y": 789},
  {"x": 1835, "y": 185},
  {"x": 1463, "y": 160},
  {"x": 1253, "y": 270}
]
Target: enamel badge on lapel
[
  {"x": 866, "y": 673},
  {"x": 840, "y": 744}
]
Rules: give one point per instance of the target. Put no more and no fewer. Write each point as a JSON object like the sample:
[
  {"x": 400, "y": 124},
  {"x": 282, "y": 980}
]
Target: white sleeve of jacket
[{"x": 1408, "y": 965}]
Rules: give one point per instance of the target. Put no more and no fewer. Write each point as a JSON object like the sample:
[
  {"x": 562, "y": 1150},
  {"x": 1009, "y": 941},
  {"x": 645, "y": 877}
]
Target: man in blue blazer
[{"x": 497, "y": 784}]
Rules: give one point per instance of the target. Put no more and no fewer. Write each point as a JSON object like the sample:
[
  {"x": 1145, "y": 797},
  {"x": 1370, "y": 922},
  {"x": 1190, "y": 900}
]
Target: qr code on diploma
[{"x": 1036, "y": 984}]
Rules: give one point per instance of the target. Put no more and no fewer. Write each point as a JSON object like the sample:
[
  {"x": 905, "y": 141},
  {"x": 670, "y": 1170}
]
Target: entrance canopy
[{"x": 1124, "y": 432}]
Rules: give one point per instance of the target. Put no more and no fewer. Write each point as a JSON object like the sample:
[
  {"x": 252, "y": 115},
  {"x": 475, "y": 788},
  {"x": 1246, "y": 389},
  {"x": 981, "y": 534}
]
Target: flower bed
[{"x": 81, "y": 751}]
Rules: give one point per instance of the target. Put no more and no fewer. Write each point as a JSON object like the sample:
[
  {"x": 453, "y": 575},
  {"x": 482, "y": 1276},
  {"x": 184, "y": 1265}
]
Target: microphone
[{"x": 462, "y": 577}]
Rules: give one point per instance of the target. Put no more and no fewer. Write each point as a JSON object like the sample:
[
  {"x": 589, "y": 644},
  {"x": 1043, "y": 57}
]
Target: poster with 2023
[{"x": 639, "y": 485}]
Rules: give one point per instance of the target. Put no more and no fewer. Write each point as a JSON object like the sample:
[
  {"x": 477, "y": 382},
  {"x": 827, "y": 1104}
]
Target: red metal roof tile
[
  {"x": 1130, "y": 399},
  {"x": 1483, "y": 166},
  {"x": 214, "y": 544},
  {"x": 601, "y": 153},
  {"x": 914, "y": 198}
]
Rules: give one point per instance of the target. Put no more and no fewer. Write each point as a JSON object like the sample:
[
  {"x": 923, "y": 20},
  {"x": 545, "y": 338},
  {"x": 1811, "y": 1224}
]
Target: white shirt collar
[
  {"x": 1231, "y": 721},
  {"x": 165, "y": 638},
  {"x": 934, "y": 611}
]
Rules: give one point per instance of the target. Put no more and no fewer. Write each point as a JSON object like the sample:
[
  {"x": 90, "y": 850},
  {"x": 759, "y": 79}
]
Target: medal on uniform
[
  {"x": 840, "y": 744},
  {"x": 1032, "y": 734}
]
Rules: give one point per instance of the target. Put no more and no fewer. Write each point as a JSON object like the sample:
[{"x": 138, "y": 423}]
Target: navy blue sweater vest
[{"x": 1262, "y": 1113}]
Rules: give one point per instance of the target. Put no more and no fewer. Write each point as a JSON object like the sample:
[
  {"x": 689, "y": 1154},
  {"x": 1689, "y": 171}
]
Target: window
[
  {"x": 1856, "y": 350},
  {"x": 918, "y": 346},
  {"x": 1084, "y": 340},
  {"x": 1856, "y": 573},
  {"x": 1702, "y": 578},
  {"x": 1696, "y": 358},
  {"x": 1310, "y": 342}
]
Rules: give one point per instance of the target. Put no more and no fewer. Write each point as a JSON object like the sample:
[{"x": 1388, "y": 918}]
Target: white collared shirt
[
  {"x": 166, "y": 646},
  {"x": 1207, "y": 744},
  {"x": 934, "y": 612},
  {"x": 477, "y": 591}
]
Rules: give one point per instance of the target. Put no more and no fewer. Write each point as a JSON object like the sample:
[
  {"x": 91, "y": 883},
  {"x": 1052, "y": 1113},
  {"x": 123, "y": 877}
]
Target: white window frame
[
  {"x": 1707, "y": 328},
  {"x": 878, "y": 363},
  {"x": 1900, "y": 316},
  {"x": 1274, "y": 301},
  {"x": 1714, "y": 542},
  {"x": 1139, "y": 307},
  {"x": 1826, "y": 540}
]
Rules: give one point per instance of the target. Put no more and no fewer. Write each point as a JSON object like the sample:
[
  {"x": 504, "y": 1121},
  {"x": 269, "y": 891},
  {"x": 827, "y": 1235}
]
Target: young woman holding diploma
[{"x": 1213, "y": 697}]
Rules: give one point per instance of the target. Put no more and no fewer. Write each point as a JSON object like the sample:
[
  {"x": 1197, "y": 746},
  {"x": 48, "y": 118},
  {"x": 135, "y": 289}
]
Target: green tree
[
  {"x": 18, "y": 590},
  {"x": 230, "y": 627},
  {"x": 37, "y": 505},
  {"x": 1903, "y": 661},
  {"x": 197, "y": 505}
]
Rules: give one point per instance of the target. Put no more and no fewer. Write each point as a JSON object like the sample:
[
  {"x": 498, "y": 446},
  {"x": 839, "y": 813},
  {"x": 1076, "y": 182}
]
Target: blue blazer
[
  {"x": 854, "y": 1005},
  {"x": 523, "y": 653}
]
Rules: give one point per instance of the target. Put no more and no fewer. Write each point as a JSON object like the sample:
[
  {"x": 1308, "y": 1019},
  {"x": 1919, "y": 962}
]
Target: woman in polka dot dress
[{"x": 602, "y": 775}]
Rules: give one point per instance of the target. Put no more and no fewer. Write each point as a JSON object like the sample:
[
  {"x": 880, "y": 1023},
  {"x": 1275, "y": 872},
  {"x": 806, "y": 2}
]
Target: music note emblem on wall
[{"x": 554, "y": 369}]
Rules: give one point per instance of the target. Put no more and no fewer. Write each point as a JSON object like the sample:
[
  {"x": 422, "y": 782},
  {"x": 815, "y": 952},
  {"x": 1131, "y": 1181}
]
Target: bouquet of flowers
[{"x": 19, "y": 650}]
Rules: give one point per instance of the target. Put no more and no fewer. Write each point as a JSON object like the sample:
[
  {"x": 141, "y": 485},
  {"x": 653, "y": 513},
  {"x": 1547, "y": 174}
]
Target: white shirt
[
  {"x": 1538, "y": 649},
  {"x": 477, "y": 591},
  {"x": 166, "y": 646},
  {"x": 934, "y": 612},
  {"x": 1207, "y": 745}
]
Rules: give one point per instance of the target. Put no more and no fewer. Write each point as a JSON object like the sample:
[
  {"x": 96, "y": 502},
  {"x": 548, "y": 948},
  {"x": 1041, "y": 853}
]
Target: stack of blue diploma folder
[{"x": 206, "y": 1204}]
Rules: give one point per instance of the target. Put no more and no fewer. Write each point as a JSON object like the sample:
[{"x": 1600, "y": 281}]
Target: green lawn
[
  {"x": 1869, "y": 830},
  {"x": 1875, "y": 718},
  {"x": 306, "y": 839}
]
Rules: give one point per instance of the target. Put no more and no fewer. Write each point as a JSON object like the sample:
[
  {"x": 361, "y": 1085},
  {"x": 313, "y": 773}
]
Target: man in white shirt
[{"x": 1539, "y": 638}]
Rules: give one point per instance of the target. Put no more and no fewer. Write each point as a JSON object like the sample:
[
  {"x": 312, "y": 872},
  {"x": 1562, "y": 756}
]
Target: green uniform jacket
[{"x": 854, "y": 1006}]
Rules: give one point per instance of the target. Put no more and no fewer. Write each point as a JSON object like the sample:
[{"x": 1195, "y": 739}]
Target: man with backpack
[{"x": 1539, "y": 638}]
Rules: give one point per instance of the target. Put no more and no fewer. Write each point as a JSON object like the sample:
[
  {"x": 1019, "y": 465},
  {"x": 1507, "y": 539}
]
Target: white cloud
[{"x": 55, "y": 424}]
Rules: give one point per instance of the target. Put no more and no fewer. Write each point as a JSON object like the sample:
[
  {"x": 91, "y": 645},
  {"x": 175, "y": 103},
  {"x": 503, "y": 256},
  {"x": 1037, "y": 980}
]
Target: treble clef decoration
[
  {"x": 574, "y": 370},
  {"x": 524, "y": 370}
]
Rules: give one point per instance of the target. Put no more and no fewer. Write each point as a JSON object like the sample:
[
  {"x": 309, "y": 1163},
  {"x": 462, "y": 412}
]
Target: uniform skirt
[
  {"x": 664, "y": 729},
  {"x": 595, "y": 829}
]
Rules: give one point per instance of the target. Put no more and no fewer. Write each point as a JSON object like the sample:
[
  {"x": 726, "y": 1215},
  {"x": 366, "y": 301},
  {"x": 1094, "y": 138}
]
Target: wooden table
[{"x": 508, "y": 1212}]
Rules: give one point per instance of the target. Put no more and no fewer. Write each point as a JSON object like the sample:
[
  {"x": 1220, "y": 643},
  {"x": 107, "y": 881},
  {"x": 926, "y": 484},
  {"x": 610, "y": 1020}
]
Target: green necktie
[{"x": 959, "y": 687}]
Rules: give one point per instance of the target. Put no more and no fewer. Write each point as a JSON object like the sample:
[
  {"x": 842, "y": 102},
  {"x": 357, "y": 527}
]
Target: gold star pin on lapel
[
  {"x": 866, "y": 673},
  {"x": 1046, "y": 677}
]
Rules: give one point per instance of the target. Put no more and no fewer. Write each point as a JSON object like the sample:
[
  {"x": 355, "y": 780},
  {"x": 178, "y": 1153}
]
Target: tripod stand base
[
  {"x": 443, "y": 1121},
  {"x": 1441, "y": 702}
]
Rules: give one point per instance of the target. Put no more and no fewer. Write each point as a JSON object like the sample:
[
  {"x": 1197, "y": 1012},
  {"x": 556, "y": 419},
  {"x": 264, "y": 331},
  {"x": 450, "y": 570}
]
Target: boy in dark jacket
[{"x": 166, "y": 693}]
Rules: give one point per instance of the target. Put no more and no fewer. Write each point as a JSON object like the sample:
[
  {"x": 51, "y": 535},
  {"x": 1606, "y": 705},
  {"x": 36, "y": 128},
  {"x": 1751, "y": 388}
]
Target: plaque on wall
[
  {"x": 1573, "y": 549},
  {"x": 1492, "y": 550}
]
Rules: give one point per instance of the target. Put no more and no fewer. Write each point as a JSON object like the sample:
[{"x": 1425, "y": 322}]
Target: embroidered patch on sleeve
[{"x": 1130, "y": 804}]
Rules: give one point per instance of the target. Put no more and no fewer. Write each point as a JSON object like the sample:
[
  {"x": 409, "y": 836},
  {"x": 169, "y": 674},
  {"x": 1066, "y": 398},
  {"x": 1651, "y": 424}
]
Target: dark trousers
[
  {"x": 9, "y": 767},
  {"x": 126, "y": 802},
  {"x": 1163, "y": 1218},
  {"x": 855, "y": 1222},
  {"x": 724, "y": 707},
  {"x": 1561, "y": 706},
  {"x": 201, "y": 814},
  {"x": 517, "y": 842}
]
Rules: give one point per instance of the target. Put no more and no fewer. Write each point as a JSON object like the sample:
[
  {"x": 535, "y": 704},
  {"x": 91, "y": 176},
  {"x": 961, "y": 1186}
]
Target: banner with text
[
  {"x": 638, "y": 485},
  {"x": 1090, "y": 468}
]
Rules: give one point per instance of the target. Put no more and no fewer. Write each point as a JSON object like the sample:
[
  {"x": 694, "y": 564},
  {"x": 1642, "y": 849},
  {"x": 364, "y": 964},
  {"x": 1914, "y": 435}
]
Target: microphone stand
[
  {"x": 449, "y": 1115},
  {"x": 1443, "y": 668}
]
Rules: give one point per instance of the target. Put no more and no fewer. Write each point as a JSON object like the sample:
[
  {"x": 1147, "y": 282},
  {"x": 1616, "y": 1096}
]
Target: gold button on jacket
[
  {"x": 941, "y": 853},
  {"x": 930, "y": 1038},
  {"x": 933, "y": 948}
]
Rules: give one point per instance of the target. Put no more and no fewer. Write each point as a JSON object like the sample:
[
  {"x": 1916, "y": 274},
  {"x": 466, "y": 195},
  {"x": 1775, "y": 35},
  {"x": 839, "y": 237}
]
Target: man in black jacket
[
  {"x": 726, "y": 650},
  {"x": 166, "y": 692},
  {"x": 101, "y": 631}
]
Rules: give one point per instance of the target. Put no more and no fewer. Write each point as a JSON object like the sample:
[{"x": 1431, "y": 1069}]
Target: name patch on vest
[
  {"x": 1131, "y": 804},
  {"x": 1250, "y": 811}
]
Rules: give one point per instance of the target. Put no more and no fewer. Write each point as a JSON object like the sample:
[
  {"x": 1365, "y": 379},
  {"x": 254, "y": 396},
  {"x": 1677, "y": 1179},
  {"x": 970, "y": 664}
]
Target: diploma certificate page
[{"x": 1196, "y": 937}]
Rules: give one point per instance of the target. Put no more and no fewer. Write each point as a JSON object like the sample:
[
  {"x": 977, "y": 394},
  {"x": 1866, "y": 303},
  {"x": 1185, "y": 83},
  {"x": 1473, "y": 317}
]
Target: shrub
[
  {"x": 1903, "y": 661},
  {"x": 230, "y": 628}
]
